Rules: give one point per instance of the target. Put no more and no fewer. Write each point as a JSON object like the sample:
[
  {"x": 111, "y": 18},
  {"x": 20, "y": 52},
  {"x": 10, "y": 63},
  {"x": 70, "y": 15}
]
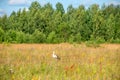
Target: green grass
[{"x": 78, "y": 62}]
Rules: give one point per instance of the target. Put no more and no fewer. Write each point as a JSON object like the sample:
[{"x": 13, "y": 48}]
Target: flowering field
[{"x": 78, "y": 62}]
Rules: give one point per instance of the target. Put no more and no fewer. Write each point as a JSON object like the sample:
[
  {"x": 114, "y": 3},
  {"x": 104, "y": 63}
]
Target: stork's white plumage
[{"x": 55, "y": 56}]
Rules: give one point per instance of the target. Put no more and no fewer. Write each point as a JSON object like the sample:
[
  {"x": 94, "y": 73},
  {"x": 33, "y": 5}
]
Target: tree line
[{"x": 44, "y": 24}]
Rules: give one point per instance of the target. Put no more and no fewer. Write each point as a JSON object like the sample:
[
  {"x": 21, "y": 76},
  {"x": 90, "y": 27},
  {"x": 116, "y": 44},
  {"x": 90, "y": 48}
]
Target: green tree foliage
[
  {"x": 44, "y": 24},
  {"x": 34, "y": 6},
  {"x": 59, "y": 8},
  {"x": 4, "y": 22},
  {"x": 21, "y": 37},
  {"x": 10, "y": 36},
  {"x": 51, "y": 37},
  {"x": 70, "y": 9},
  {"x": 1, "y": 35},
  {"x": 38, "y": 37}
]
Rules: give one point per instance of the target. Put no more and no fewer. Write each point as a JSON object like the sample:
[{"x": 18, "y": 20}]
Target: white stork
[{"x": 55, "y": 56}]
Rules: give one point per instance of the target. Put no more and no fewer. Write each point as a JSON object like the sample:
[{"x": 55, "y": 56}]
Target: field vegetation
[{"x": 78, "y": 62}]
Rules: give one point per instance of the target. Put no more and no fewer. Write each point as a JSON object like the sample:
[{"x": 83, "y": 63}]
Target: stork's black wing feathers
[{"x": 58, "y": 57}]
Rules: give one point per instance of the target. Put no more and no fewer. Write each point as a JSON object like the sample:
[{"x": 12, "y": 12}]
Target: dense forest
[{"x": 44, "y": 24}]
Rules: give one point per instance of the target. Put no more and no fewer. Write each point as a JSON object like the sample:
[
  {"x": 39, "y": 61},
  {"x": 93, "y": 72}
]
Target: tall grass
[{"x": 78, "y": 62}]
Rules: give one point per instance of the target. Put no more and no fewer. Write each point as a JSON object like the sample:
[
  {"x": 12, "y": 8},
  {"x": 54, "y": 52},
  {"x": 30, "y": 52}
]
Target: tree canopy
[{"x": 44, "y": 24}]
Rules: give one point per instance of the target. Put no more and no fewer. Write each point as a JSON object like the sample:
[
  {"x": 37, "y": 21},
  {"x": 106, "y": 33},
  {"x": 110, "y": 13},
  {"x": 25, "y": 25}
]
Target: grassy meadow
[{"x": 78, "y": 62}]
